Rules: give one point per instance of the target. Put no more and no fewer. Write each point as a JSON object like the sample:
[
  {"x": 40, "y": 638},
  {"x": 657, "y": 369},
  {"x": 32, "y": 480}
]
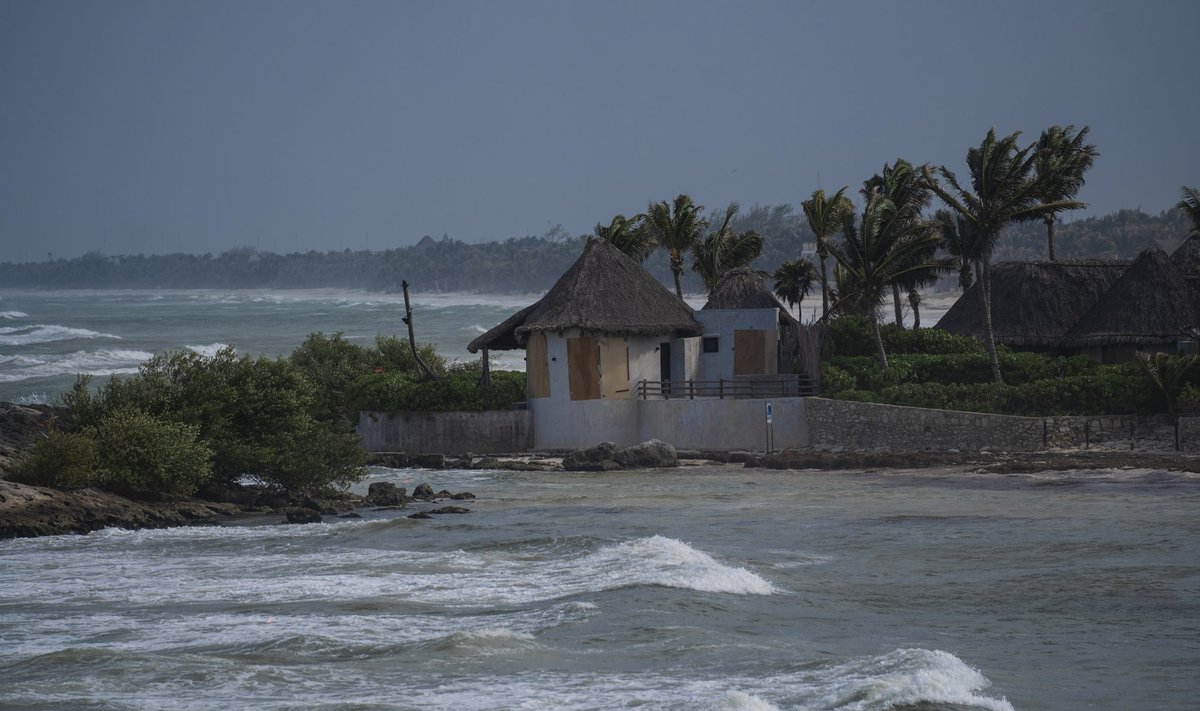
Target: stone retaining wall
[
  {"x": 844, "y": 424},
  {"x": 1189, "y": 434},
  {"x": 489, "y": 432}
]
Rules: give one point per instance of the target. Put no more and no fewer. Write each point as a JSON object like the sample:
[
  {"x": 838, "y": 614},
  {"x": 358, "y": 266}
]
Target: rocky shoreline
[{"x": 37, "y": 511}]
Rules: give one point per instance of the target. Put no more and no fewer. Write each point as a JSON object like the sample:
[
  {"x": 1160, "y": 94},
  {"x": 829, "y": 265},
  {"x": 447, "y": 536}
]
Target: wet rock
[
  {"x": 420, "y": 514},
  {"x": 450, "y": 510},
  {"x": 444, "y": 494},
  {"x": 427, "y": 461},
  {"x": 383, "y": 493},
  {"x": 423, "y": 492},
  {"x": 592, "y": 459},
  {"x": 651, "y": 454},
  {"x": 462, "y": 495},
  {"x": 392, "y": 460},
  {"x": 352, "y": 514},
  {"x": 300, "y": 514}
]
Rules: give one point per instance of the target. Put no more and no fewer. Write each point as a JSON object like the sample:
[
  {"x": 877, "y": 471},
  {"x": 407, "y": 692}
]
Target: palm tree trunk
[
  {"x": 914, "y": 300},
  {"x": 883, "y": 364},
  {"x": 824, "y": 292},
  {"x": 676, "y": 270},
  {"x": 989, "y": 336},
  {"x": 896, "y": 304},
  {"x": 1050, "y": 237}
]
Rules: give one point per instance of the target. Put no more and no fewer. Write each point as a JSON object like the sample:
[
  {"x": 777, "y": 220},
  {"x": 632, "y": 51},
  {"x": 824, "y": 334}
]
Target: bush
[
  {"x": 64, "y": 460},
  {"x": 142, "y": 457},
  {"x": 460, "y": 390},
  {"x": 851, "y": 336},
  {"x": 835, "y": 380}
]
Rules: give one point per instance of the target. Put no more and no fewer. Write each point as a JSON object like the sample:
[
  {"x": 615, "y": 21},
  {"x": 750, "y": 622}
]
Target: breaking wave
[{"x": 46, "y": 333}]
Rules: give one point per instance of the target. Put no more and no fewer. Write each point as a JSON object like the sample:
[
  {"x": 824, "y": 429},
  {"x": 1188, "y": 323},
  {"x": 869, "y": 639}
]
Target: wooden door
[
  {"x": 583, "y": 367},
  {"x": 749, "y": 352},
  {"x": 537, "y": 367}
]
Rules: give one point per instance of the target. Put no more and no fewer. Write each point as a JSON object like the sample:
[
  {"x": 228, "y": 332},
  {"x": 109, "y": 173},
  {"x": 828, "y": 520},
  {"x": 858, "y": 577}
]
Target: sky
[{"x": 200, "y": 126}]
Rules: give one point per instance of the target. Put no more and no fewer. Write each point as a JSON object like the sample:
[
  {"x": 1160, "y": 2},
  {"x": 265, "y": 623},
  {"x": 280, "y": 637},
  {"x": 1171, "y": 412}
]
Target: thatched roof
[
  {"x": 1187, "y": 256},
  {"x": 1150, "y": 304},
  {"x": 604, "y": 291},
  {"x": 743, "y": 288},
  {"x": 1034, "y": 303}
]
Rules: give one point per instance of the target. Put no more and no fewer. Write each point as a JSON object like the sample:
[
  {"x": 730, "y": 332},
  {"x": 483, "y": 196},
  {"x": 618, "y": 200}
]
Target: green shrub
[
  {"x": 851, "y": 336},
  {"x": 835, "y": 380},
  {"x": 460, "y": 390},
  {"x": 143, "y": 457},
  {"x": 63, "y": 460}
]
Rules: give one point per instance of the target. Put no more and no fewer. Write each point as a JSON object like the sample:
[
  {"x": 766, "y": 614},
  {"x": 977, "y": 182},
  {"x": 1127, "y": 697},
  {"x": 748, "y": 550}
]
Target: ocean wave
[
  {"x": 46, "y": 333},
  {"x": 11, "y": 315},
  {"x": 103, "y": 362},
  {"x": 907, "y": 677}
]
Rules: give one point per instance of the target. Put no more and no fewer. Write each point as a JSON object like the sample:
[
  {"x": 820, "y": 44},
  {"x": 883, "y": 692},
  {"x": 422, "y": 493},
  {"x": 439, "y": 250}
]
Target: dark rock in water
[
  {"x": 450, "y": 510},
  {"x": 383, "y": 493},
  {"x": 392, "y": 460},
  {"x": 352, "y": 514},
  {"x": 591, "y": 459},
  {"x": 319, "y": 506},
  {"x": 460, "y": 496},
  {"x": 420, "y": 514},
  {"x": 423, "y": 492},
  {"x": 300, "y": 514},
  {"x": 428, "y": 461},
  {"x": 740, "y": 457},
  {"x": 652, "y": 454},
  {"x": 444, "y": 494},
  {"x": 486, "y": 463}
]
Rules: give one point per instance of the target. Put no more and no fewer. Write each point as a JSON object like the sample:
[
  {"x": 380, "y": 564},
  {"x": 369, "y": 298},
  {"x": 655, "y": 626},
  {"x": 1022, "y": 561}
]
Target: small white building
[{"x": 608, "y": 337}]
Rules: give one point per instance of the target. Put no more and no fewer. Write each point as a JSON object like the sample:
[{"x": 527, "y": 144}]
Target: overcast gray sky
[{"x": 168, "y": 126}]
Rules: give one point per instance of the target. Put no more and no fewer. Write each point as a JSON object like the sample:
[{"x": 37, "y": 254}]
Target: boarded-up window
[
  {"x": 583, "y": 368},
  {"x": 750, "y": 352},
  {"x": 614, "y": 367},
  {"x": 537, "y": 369}
]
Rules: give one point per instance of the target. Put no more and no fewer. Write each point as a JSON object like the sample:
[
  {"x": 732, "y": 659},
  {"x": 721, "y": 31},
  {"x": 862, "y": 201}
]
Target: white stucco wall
[
  {"x": 722, "y": 323},
  {"x": 722, "y": 424}
]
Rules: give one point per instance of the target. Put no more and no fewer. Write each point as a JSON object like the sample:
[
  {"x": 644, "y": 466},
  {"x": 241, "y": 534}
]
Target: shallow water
[{"x": 704, "y": 587}]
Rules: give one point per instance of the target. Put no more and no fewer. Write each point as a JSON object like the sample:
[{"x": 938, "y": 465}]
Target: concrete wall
[
  {"x": 860, "y": 425},
  {"x": 722, "y": 424},
  {"x": 489, "y": 432},
  {"x": 722, "y": 323},
  {"x": 583, "y": 423}
]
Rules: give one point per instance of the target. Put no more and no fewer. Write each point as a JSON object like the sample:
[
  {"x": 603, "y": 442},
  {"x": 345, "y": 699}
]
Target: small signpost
[{"x": 770, "y": 429}]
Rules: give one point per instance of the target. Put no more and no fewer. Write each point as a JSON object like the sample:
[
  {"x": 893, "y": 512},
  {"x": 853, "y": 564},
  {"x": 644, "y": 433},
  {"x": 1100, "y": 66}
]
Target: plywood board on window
[
  {"x": 537, "y": 367},
  {"x": 614, "y": 368},
  {"x": 750, "y": 352},
  {"x": 583, "y": 368}
]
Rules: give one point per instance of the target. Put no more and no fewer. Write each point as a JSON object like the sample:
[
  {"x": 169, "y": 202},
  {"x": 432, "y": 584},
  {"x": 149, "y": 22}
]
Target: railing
[{"x": 747, "y": 386}]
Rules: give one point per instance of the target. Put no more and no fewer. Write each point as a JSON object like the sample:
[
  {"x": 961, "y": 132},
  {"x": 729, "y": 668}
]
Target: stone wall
[
  {"x": 1189, "y": 434},
  {"x": 490, "y": 432},
  {"x": 864, "y": 426},
  {"x": 1111, "y": 431}
]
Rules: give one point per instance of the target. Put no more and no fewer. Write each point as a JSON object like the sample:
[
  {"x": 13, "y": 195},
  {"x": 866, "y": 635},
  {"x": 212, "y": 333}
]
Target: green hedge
[
  {"x": 960, "y": 368},
  {"x": 851, "y": 336},
  {"x": 460, "y": 390}
]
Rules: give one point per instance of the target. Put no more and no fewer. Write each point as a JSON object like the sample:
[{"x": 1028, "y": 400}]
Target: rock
[
  {"x": 652, "y": 454},
  {"x": 591, "y": 459},
  {"x": 444, "y": 494},
  {"x": 352, "y": 514},
  {"x": 462, "y": 495},
  {"x": 423, "y": 492},
  {"x": 383, "y": 493},
  {"x": 420, "y": 514},
  {"x": 427, "y": 461},
  {"x": 300, "y": 514},
  {"x": 450, "y": 510},
  {"x": 392, "y": 460}
]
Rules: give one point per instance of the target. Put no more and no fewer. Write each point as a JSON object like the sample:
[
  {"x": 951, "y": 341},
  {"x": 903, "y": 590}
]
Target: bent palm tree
[
  {"x": 882, "y": 249},
  {"x": 825, "y": 218},
  {"x": 627, "y": 235},
  {"x": 1004, "y": 189},
  {"x": 793, "y": 280},
  {"x": 960, "y": 238},
  {"x": 902, "y": 184},
  {"x": 1060, "y": 159},
  {"x": 723, "y": 250},
  {"x": 676, "y": 227}
]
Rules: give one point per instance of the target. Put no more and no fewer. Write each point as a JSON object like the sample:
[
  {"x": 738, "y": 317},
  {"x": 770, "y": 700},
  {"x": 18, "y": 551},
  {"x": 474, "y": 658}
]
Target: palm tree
[
  {"x": 793, "y": 280},
  {"x": 902, "y": 184},
  {"x": 960, "y": 239},
  {"x": 627, "y": 235},
  {"x": 882, "y": 249},
  {"x": 825, "y": 218},
  {"x": 1060, "y": 159},
  {"x": 1190, "y": 204},
  {"x": 723, "y": 250},
  {"x": 1004, "y": 189},
  {"x": 676, "y": 228}
]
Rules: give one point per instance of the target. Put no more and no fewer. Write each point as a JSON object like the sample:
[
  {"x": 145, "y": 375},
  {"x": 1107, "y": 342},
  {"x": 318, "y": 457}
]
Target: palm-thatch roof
[
  {"x": 1151, "y": 304},
  {"x": 604, "y": 291},
  {"x": 1034, "y": 303},
  {"x": 1187, "y": 256},
  {"x": 743, "y": 288}
]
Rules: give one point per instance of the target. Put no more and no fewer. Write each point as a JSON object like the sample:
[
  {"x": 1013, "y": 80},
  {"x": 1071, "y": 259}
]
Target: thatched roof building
[
  {"x": 1187, "y": 256},
  {"x": 1150, "y": 305},
  {"x": 1034, "y": 304},
  {"x": 604, "y": 291},
  {"x": 743, "y": 288}
]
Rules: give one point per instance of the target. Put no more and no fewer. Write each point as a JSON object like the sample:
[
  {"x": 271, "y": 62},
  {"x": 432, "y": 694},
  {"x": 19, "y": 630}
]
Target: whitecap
[
  {"x": 46, "y": 333},
  {"x": 101, "y": 362},
  {"x": 11, "y": 315}
]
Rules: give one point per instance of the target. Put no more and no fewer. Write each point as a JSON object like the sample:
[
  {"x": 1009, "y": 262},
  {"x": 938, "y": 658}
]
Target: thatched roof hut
[
  {"x": 1034, "y": 303},
  {"x": 604, "y": 291},
  {"x": 743, "y": 288},
  {"x": 1187, "y": 256},
  {"x": 1151, "y": 304}
]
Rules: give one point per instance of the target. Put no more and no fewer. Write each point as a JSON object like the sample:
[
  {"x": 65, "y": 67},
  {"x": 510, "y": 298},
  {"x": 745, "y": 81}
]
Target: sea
[{"x": 703, "y": 587}]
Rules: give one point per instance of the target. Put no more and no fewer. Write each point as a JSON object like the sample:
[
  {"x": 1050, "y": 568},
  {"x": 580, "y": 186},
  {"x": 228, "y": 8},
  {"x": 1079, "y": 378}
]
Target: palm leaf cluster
[{"x": 724, "y": 250}]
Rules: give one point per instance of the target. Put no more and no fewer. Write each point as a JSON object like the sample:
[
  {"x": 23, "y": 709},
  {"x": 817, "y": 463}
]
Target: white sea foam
[
  {"x": 102, "y": 362},
  {"x": 207, "y": 351},
  {"x": 46, "y": 333},
  {"x": 11, "y": 315},
  {"x": 906, "y": 677}
]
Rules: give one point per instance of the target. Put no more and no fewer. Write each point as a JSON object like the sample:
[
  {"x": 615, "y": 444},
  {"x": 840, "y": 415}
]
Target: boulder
[
  {"x": 383, "y": 493},
  {"x": 423, "y": 492},
  {"x": 427, "y": 461},
  {"x": 462, "y": 495},
  {"x": 592, "y": 459},
  {"x": 652, "y": 454},
  {"x": 300, "y": 514},
  {"x": 420, "y": 514},
  {"x": 450, "y": 510}
]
